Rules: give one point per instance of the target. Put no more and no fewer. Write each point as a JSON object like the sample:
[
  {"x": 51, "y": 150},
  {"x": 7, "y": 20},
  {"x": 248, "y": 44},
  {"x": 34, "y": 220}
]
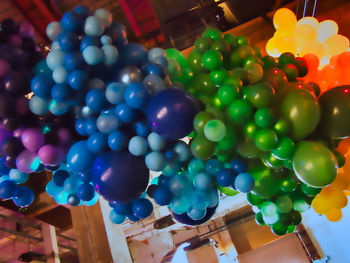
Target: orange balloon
[
  {"x": 330, "y": 74},
  {"x": 334, "y": 215},
  {"x": 320, "y": 204},
  {"x": 344, "y": 147},
  {"x": 340, "y": 182},
  {"x": 312, "y": 61},
  {"x": 343, "y": 60},
  {"x": 336, "y": 44},
  {"x": 284, "y": 19}
]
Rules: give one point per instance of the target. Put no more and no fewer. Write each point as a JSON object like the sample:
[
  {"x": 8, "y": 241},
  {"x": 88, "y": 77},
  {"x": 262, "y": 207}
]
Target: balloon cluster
[
  {"x": 257, "y": 108},
  {"x": 305, "y": 36},
  {"x": 336, "y": 73}
]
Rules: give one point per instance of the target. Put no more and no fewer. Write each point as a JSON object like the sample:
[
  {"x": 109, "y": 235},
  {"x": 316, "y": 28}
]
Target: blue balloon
[
  {"x": 117, "y": 141},
  {"x": 83, "y": 10},
  {"x": 89, "y": 41},
  {"x": 212, "y": 166},
  {"x": 77, "y": 79},
  {"x": 138, "y": 146},
  {"x": 7, "y": 189},
  {"x": 85, "y": 177},
  {"x": 185, "y": 219},
  {"x": 18, "y": 176},
  {"x": 155, "y": 161},
  {"x": 73, "y": 200},
  {"x": 110, "y": 54},
  {"x": 156, "y": 142},
  {"x": 244, "y": 182},
  {"x": 72, "y": 21},
  {"x": 95, "y": 99},
  {"x": 52, "y": 189},
  {"x": 239, "y": 166},
  {"x": 97, "y": 143},
  {"x": 142, "y": 208},
  {"x": 61, "y": 92},
  {"x": 133, "y": 54},
  {"x": 117, "y": 32},
  {"x": 203, "y": 181},
  {"x": 162, "y": 196},
  {"x": 119, "y": 176},
  {"x": 183, "y": 151},
  {"x": 133, "y": 218},
  {"x": 41, "y": 85},
  {"x": 115, "y": 92},
  {"x": 179, "y": 185},
  {"x": 59, "y": 176},
  {"x": 199, "y": 199},
  {"x": 79, "y": 158},
  {"x": 122, "y": 208},
  {"x": 105, "y": 40},
  {"x": 90, "y": 126},
  {"x": 23, "y": 197},
  {"x": 107, "y": 122},
  {"x": 58, "y": 108},
  {"x": 93, "y": 26},
  {"x": 71, "y": 184},
  {"x": 60, "y": 75},
  {"x": 55, "y": 58},
  {"x": 142, "y": 129},
  {"x": 153, "y": 69},
  {"x": 116, "y": 218},
  {"x": 196, "y": 213},
  {"x": 4, "y": 169},
  {"x": 225, "y": 177},
  {"x": 196, "y": 165},
  {"x": 163, "y": 180},
  {"x": 171, "y": 112},
  {"x": 136, "y": 95},
  {"x": 38, "y": 106},
  {"x": 80, "y": 127},
  {"x": 68, "y": 41},
  {"x": 92, "y": 55},
  {"x": 86, "y": 192},
  {"x": 74, "y": 61}
]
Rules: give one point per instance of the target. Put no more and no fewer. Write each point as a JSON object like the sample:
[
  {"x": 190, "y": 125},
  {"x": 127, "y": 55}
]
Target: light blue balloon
[
  {"x": 55, "y": 59},
  {"x": 52, "y": 189},
  {"x": 107, "y": 123},
  {"x": 183, "y": 151},
  {"x": 58, "y": 108},
  {"x": 18, "y": 176},
  {"x": 94, "y": 26},
  {"x": 244, "y": 182},
  {"x": 199, "y": 199},
  {"x": 155, "y": 53},
  {"x": 203, "y": 181},
  {"x": 180, "y": 205},
  {"x": 53, "y": 30},
  {"x": 116, "y": 218},
  {"x": 115, "y": 92},
  {"x": 38, "y": 105},
  {"x": 92, "y": 55},
  {"x": 138, "y": 146},
  {"x": 105, "y": 40},
  {"x": 71, "y": 184},
  {"x": 154, "y": 83},
  {"x": 179, "y": 185},
  {"x": 196, "y": 213},
  {"x": 213, "y": 197},
  {"x": 104, "y": 15},
  {"x": 61, "y": 198},
  {"x": 156, "y": 142},
  {"x": 55, "y": 46},
  {"x": 110, "y": 54},
  {"x": 59, "y": 75},
  {"x": 155, "y": 161}
]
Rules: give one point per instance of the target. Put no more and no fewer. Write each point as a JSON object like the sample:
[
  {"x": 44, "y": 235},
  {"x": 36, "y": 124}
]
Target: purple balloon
[
  {"x": 18, "y": 132},
  {"x": 25, "y": 160},
  {"x": 51, "y": 155},
  {"x": 4, "y": 135},
  {"x": 65, "y": 136},
  {"x": 25, "y": 29},
  {"x": 5, "y": 68},
  {"x": 32, "y": 139}
]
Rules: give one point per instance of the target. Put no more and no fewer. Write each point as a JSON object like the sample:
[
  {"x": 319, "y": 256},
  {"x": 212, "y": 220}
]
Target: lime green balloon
[
  {"x": 308, "y": 190},
  {"x": 314, "y": 164},
  {"x": 217, "y": 102},
  {"x": 218, "y": 77},
  {"x": 266, "y": 187},
  {"x": 284, "y": 204},
  {"x": 285, "y": 148},
  {"x": 255, "y": 71},
  {"x": 202, "y": 44},
  {"x": 266, "y": 139},
  {"x": 260, "y": 95},
  {"x": 271, "y": 161},
  {"x": 250, "y": 128},
  {"x": 215, "y": 130},
  {"x": 291, "y": 229},
  {"x": 282, "y": 126},
  {"x": 264, "y": 117},
  {"x": 229, "y": 140},
  {"x": 259, "y": 219},
  {"x": 201, "y": 119},
  {"x": 229, "y": 191},
  {"x": 172, "y": 53},
  {"x": 269, "y": 209},
  {"x": 227, "y": 93},
  {"x": 202, "y": 148},
  {"x": 254, "y": 199},
  {"x": 279, "y": 229},
  {"x": 240, "y": 111},
  {"x": 212, "y": 60},
  {"x": 302, "y": 110},
  {"x": 213, "y": 33},
  {"x": 289, "y": 185}
]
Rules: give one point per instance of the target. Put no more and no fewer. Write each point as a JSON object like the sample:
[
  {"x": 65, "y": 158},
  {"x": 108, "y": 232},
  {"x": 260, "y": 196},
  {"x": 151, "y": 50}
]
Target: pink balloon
[
  {"x": 51, "y": 155},
  {"x": 32, "y": 139},
  {"x": 26, "y": 29},
  {"x": 25, "y": 161},
  {"x": 16, "y": 40}
]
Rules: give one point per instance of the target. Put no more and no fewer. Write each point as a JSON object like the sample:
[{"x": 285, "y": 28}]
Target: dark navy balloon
[
  {"x": 133, "y": 54},
  {"x": 120, "y": 176},
  {"x": 170, "y": 113},
  {"x": 185, "y": 219}
]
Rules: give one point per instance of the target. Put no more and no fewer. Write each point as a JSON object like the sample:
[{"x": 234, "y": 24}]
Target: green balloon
[
  {"x": 229, "y": 140},
  {"x": 291, "y": 229},
  {"x": 289, "y": 185},
  {"x": 266, "y": 187},
  {"x": 254, "y": 199},
  {"x": 255, "y": 71},
  {"x": 276, "y": 77},
  {"x": 269, "y": 209},
  {"x": 271, "y": 161},
  {"x": 215, "y": 130},
  {"x": 213, "y": 33},
  {"x": 308, "y": 190},
  {"x": 280, "y": 174},
  {"x": 301, "y": 205},
  {"x": 172, "y": 53},
  {"x": 314, "y": 164},
  {"x": 250, "y": 128},
  {"x": 202, "y": 148},
  {"x": 335, "y": 112},
  {"x": 259, "y": 219},
  {"x": 282, "y": 127},
  {"x": 279, "y": 229},
  {"x": 201, "y": 120},
  {"x": 174, "y": 69},
  {"x": 212, "y": 60},
  {"x": 242, "y": 41},
  {"x": 247, "y": 148},
  {"x": 285, "y": 148},
  {"x": 242, "y": 74},
  {"x": 269, "y": 62},
  {"x": 266, "y": 139},
  {"x": 302, "y": 110},
  {"x": 288, "y": 164},
  {"x": 291, "y": 72},
  {"x": 286, "y": 58},
  {"x": 231, "y": 41},
  {"x": 204, "y": 85},
  {"x": 285, "y": 218},
  {"x": 284, "y": 204},
  {"x": 257, "y": 51},
  {"x": 296, "y": 216},
  {"x": 240, "y": 111},
  {"x": 227, "y": 93},
  {"x": 238, "y": 56},
  {"x": 202, "y": 44},
  {"x": 218, "y": 77},
  {"x": 229, "y": 191},
  {"x": 194, "y": 61},
  {"x": 221, "y": 46},
  {"x": 261, "y": 94},
  {"x": 264, "y": 117}
]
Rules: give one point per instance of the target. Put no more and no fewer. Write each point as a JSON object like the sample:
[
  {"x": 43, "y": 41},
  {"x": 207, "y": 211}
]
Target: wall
[{"x": 8, "y": 10}]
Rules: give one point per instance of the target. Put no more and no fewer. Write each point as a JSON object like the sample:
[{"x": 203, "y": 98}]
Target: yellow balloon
[
  {"x": 338, "y": 199},
  {"x": 320, "y": 204},
  {"x": 314, "y": 47},
  {"x": 286, "y": 44},
  {"x": 271, "y": 47},
  {"x": 334, "y": 215},
  {"x": 326, "y": 29},
  {"x": 304, "y": 33},
  {"x": 285, "y": 20},
  {"x": 280, "y": 33},
  {"x": 308, "y": 20},
  {"x": 336, "y": 44}
]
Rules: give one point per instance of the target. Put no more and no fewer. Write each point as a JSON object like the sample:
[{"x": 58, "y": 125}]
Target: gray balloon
[
  {"x": 130, "y": 74},
  {"x": 154, "y": 83}
]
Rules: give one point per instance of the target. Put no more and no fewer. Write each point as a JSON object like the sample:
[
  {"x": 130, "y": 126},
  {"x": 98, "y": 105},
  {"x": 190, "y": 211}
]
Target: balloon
[
  {"x": 73, "y": 200},
  {"x": 7, "y": 189},
  {"x": 85, "y": 192},
  {"x": 79, "y": 158},
  {"x": 284, "y": 204},
  {"x": 116, "y": 218},
  {"x": 314, "y": 164},
  {"x": 284, "y": 19},
  {"x": 266, "y": 187},
  {"x": 202, "y": 148},
  {"x": 142, "y": 208},
  {"x": 269, "y": 209},
  {"x": 23, "y": 196},
  {"x": 138, "y": 146},
  {"x": 50, "y": 155},
  {"x": 180, "y": 205},
  {"x": 25, "y": 161},
  {"x": 119, "y": 176},
  {"x": 18, "y": 176},
  {"x": 183, "y": 151},
  {"x": 185, "y": 219},
  {"x": 162, "y": 196},
  {"x": 170, "y": 113},
  {"x": 196, "y": 213},
  {"x": 215, "y": 130},
  {"x": 334, "y": 215},
  {"x": 203, "y": 181},
  {"x": 302, "y": 110},
  {"x": 115, "y": 92},
  {"x": 244, "y": 182},
  {"x": 226, "y": 177},
  {"x": 59, "y": 177},
  {"x": 335, "y": 107}
]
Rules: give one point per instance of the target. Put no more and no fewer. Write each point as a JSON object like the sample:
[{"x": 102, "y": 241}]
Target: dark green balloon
[
  {"x": 242, "y": 41},
  {"x": 266, "y": 139},
  {"x": 296, "y": 216},
  {"x": 285, "y": 218},
  {"x": 302, "y": 110},
  {"x": 266, "y": 187},
  {"x": 247, "y": 148},
  {"x": 291, "y": 71},
  {"x": 285, "y": 148},
  {"x": 212, "y": 60},
  {"x": 238, "y": 56},
  {"x": 289, "y": 185},
  {"x": 335, "y": 112},
  {"x": 231, "y": 41},
  {"x": 240, "y": 111},
  {"x": 204, "y": 85},
  {"x": 276, "y": 77},
  {"x": 227, "y": 93},
  {"x": 279, "y": 229},
  {"x": 202, "y": 44},
  {"x": 194, "y": 61},
  {"x": 254, "y": 199},
  {"x": 212, "y": 33},
  {"x": 308, "y": 190},
  {"x": 259, "y": 219},
  {"x": 218, "y": 77},
  {"x": 286, "y": 58},
  {"x": 260, "y": 95},
  {"x": 201, "y": 120},
  {"x": 202, "y": 148},
  {"x": 269, "y": 62},
  {"x": 221, "y": 46}
]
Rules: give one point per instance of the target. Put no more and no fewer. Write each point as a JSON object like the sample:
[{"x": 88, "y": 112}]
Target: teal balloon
[{"x": 180, "y": 205}]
